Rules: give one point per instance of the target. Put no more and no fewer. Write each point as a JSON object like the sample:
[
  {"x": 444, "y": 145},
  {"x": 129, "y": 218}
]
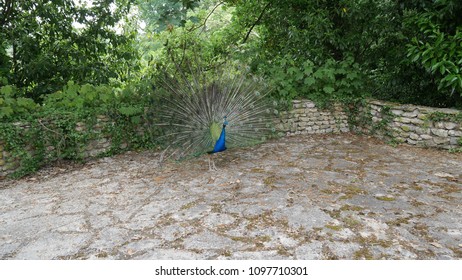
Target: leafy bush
[
  {"x": 70, "y": 118},
  {"x": 439, "y": 53},
  {"x": 331, "y": 81},
  {"x": 12, "y": 106}
]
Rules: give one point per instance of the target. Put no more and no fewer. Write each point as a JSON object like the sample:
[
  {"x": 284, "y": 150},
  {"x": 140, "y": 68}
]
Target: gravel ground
[{"x": 306, "y": 197}]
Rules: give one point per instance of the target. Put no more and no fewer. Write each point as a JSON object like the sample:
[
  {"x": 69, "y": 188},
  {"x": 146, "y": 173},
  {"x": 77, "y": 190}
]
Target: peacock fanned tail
[{"x": 191, "y": 114}]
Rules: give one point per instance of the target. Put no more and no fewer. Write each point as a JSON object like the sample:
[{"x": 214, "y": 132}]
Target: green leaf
[
  {"x": 26, "y": 103},
  {"x": 7, "y": 90},
  {"x": 129, "y": 110},
  {"x": 328, "y": 89},
  {"x": 135, "y": 119},
  {"x": 352, "y": 75},
  {"x": 6, "y": 111},
  {"x": 309, "y": 81}
]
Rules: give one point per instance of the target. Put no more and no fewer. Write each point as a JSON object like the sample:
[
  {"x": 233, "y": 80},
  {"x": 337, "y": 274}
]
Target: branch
[
  {"x": 256, "y": 22},
  {"x": 61, "y": 141},
  {"x": 207, "y": 17},
  {"x": 7, "y": 11}
]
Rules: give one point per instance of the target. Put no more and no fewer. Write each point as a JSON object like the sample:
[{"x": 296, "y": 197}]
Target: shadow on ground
[{"x": 317, "y": 197}]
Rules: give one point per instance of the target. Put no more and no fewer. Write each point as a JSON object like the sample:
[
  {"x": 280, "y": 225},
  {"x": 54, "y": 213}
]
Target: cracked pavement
[{"x": 338, "y": 196}]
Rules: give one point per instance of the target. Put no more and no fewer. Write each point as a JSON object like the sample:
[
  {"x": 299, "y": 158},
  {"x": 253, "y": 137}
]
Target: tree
[{"x": 44, "y": 43}]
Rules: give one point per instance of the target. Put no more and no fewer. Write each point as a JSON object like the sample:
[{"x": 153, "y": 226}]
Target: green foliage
[
  {"x": 11, "y": 106},
  {"x": 444, "y": 117},
  {"x": 165, "y": 14},
  {"x": 370, "y": 36},
  {"x": 43, "y": 44},
  {"x": 70, "y": 119},
  {"x": 331, "y": 81},
  {"x": 438, "y": 52}
]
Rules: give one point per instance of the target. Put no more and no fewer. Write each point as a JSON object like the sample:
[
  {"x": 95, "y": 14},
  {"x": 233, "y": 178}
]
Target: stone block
[
  {"x": 375, "y": 107},
  {"x": 450, "y": 125},
  {"x": 298, "y": 111},
  {"x": 439, "y": 125},
  {"x": 396, "y": 124},
  {"x": 440, "y": 132},
  {"x": 441, "y": 140},
  {"x": 309, "y": 104},
  {"x": 414, "y": 136},
  {"x": 430, "y": 143},
  {"x": 426, "y": 136},
  {"x": 420, "y": 130},
  {"x": 412, "y": 142},
  {"x": 298, "y": 105},
  {"x": 405, "y": 128},
  {"x": 454, "y": 140},
  {"x": 456, "y": 133},
  {"x": 405, "y": 120},
  {"x": 404, "y": 134},
  {"x": 422, "y": 117},
  {"x": 417, "y": 121},
  {"x": 408, "y": 108},
  {"x": 397, "y": 112}
]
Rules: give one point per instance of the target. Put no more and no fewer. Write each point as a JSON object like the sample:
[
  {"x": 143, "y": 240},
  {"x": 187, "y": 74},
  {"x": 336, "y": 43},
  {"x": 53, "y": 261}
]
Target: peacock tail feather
[{"x": 192, "y": 111}]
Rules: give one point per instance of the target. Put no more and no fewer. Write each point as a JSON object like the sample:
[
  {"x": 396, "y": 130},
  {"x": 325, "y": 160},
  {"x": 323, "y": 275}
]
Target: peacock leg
[{"x": 212, "y": 166}]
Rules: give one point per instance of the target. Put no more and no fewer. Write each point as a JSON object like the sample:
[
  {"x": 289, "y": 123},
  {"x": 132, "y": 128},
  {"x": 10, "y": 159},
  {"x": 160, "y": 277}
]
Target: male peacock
[
  {"x": 204, "y": 113},
  {"x": 220, "y": 141}
]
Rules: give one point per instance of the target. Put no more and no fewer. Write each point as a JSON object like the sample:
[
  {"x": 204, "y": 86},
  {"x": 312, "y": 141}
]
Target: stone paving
[{"x": 304, "y": 197}]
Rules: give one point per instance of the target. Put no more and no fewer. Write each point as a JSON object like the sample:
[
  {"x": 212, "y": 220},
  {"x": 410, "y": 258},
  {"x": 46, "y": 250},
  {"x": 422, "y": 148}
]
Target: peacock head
[{"x": 225, "y": 122}]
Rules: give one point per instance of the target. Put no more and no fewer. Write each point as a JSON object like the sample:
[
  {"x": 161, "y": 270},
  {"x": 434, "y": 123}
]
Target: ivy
[
  {"x": 69, "y": 120},
  {"x": 444, "y": 117}
]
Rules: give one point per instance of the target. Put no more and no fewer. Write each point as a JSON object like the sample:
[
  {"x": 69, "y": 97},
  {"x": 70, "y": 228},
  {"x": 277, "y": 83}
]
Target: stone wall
[
  {"x": 417, "y": 125},
  {"x": 306, "y": 118},
  {"x": 410, "y": 124},
  {"x": 414, "y": 125},
  {"x": 101, "y": 143}
]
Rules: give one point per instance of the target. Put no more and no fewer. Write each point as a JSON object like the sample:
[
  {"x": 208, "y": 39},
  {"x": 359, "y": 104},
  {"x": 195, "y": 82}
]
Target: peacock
[{"x": 208, "y": 112}]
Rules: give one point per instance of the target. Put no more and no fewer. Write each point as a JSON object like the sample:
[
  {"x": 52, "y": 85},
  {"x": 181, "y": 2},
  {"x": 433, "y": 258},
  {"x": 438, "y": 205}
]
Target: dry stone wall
[
  {"x": 418, "y": 125},
  {"x": 306, "y": 118},
  {"x": 414, "y": 125},
  {"x": 93, "y": 147},
  {"x": 410, "y": 124}
]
